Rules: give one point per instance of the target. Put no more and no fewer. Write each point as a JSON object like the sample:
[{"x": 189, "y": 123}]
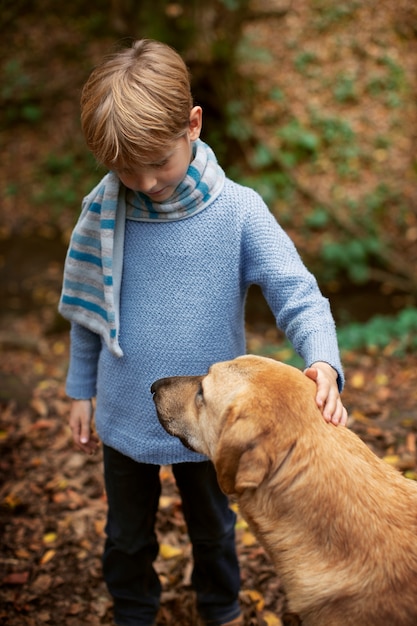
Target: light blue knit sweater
[{"x": 182, "y": 300}]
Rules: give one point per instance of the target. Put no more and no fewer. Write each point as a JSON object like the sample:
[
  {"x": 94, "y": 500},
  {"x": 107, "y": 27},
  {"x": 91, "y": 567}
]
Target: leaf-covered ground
[{"x": 53, "y": 507}]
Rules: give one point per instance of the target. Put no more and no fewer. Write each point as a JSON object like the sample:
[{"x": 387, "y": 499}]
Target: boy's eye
[{"x": 160, "y": 164}]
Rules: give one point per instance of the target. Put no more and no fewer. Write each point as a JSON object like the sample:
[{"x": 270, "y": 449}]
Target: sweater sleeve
[
  {"x": 82, "y": 372},
  {"x": 271, "y": 261}
]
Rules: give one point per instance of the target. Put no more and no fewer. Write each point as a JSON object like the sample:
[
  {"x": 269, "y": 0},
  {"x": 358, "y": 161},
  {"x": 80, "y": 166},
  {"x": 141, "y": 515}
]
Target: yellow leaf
[
  {"x": 283, "y": 355},
  {"x": 357, "y": 380},
  {"x": 166, "y": 501},
  {"x": 49, "y": 538},
  {"x": 169, "y": 552},
  {"x": 49, "y": 554},
  {"x": 411, "y": 474},
  {"x": 382, "y": 379},
  {"x": 391, "y": 459},
  {"x": 235, "y": 507},
  {"x": 39, "y": 368},
  {"x": 248, "y": 539},
  {"x": 44, "y": 384},
  {"x": 255, "y": 597},
  {"x": 59, "y": 348},
  {"x": 241, "y": 525},
  {"x": 271, "y": 619},
  {"x": 360, "y": 417}
]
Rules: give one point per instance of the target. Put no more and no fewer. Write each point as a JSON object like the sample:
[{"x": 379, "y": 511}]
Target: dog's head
[{"x": 238, "y": 415}]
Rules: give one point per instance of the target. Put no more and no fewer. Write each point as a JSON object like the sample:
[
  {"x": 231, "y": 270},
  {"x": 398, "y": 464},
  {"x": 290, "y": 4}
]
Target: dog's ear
[
  {"x": 241, "y": 469},
  {"x": 241, "y": 460}
]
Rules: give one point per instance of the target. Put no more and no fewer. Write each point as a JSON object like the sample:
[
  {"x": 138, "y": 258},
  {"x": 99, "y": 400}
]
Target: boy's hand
[
  {"x": 80, "y": 423},
  {"x": 328, "y": 397}
]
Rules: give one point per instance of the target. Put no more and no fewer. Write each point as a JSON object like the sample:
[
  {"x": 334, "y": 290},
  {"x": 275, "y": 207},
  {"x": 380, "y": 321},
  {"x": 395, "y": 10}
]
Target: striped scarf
[{"x": 94, "y": 262}]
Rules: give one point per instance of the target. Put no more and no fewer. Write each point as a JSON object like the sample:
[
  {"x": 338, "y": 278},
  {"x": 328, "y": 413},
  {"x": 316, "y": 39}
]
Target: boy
[{"x": 155, "y": 282}]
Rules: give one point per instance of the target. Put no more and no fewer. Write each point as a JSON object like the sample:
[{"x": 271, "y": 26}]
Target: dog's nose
[
  {"x": 154, "y": 386},
  {"x": 158, "y": 383}
]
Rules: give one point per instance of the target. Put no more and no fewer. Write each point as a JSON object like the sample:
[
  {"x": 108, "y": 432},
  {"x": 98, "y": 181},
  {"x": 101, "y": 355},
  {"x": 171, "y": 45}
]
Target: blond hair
[{"x": 136, "y": 104}]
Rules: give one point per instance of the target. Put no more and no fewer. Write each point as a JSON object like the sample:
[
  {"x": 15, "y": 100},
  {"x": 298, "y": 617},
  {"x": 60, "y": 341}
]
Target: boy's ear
[{"x": 196, "y": 122}]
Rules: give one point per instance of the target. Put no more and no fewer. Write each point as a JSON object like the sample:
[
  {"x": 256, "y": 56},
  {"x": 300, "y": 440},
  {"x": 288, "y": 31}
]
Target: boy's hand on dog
[
  {"x": 328, "y": 397},
  {"x": 81, "y": 414}
]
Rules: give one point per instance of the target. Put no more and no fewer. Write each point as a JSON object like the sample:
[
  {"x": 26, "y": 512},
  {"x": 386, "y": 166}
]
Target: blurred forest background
[{"x": 311, "y": 102}]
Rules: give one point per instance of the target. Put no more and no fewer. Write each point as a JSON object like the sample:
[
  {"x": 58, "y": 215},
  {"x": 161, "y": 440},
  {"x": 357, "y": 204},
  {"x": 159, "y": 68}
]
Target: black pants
[{"x": 133, "y": 491}]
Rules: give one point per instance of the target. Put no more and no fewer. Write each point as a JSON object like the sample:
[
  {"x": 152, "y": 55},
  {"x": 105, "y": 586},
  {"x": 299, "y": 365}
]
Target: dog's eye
[{"x": 199, "y": 396}]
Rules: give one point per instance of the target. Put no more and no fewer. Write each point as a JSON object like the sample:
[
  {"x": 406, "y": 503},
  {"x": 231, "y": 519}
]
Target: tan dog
[{"x": 339, "y": 524}]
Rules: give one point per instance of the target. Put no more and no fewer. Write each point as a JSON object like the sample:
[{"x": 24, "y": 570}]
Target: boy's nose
[{"x": 146, "y": 183}]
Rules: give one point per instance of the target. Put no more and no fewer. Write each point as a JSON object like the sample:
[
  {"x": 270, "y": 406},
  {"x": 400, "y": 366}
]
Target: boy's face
[{"x": 160, "y": 178}]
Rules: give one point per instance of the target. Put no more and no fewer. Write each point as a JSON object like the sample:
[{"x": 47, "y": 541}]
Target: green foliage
[
  {"x": 330, "y": 13},
  {"x": 271, "y": 185},
  {"x": 390, "y": 84},
  {"x": 397, "y": 333},
  {"x": 237, "y": 126},
  {"x": 304, "y": 61},
  {"x": 20, "y": 94},
  {"x": 298, "y": 143},
  {"x": 319, "y": 218},
  {"x": 338, "y": 140},
  {"x": 345, "y": 88},
  {"x": 66, "y": 179},
  {"x": 351, "y": 257}
]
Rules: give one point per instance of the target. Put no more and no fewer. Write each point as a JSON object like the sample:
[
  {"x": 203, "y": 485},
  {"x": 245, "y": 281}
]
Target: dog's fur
[{"x": 339, "y": 524}]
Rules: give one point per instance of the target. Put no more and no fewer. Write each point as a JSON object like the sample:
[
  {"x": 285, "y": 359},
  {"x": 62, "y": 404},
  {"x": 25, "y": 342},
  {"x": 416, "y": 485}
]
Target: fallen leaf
[
  {"x": 48, "y": 556},
  {"x": 166, "y": 501},
  {"x": 248, "y": 539},
  {"x": 360, "y": 417},
  {"x": 255, "y": 597},
  {"x": 22, "y": 553},
  {"x": 169, "y": 552},
  {"x": 357, "y": 381},
  {"x": 391, "y": 459},
  {"x": 271, "y": 619},
  {"x": 241, "y": 524},
  {"x": 75, "y": 608},
  {"x": 411, "y": 443},
  {"x": 16, "y": 578},
  {"x": 381, "y": 379},
  {"x": 39, "y": 406},
  {"x": 99, "y": 526}
]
